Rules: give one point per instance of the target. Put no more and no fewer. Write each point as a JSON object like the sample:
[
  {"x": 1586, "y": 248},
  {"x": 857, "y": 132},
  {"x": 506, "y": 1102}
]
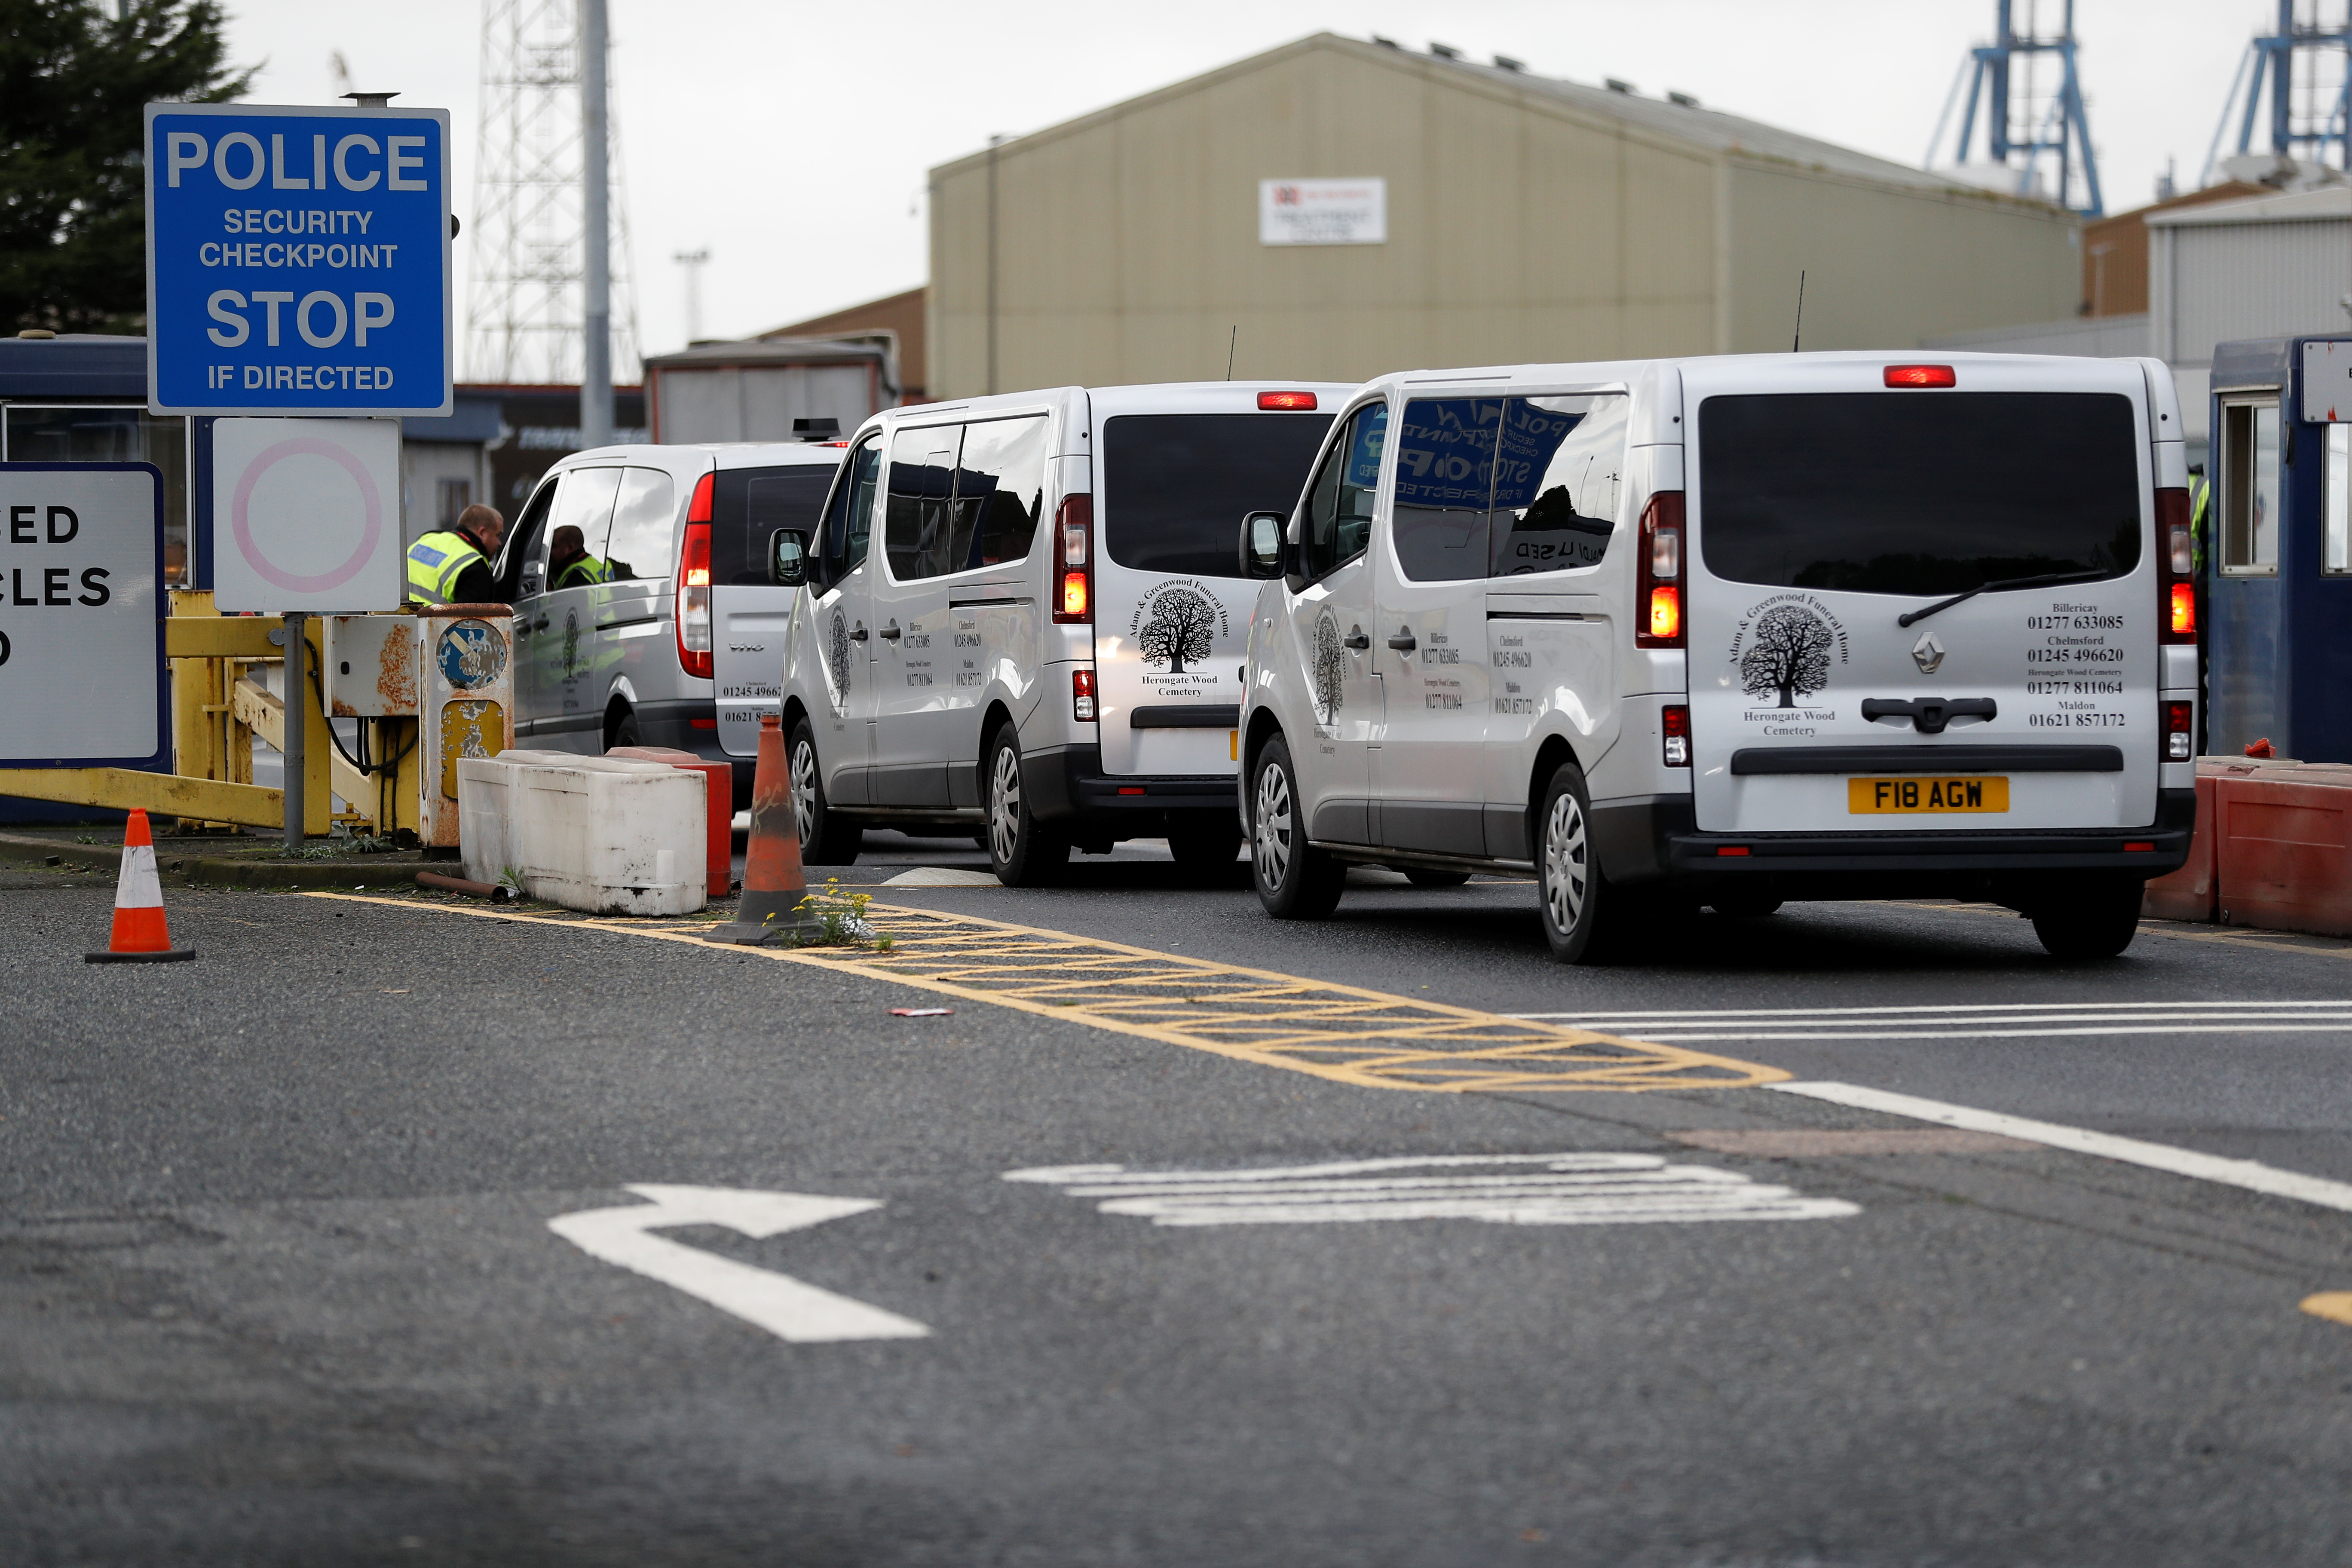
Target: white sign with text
[
  {"x": 81, "y": 634},
  {"x": 1323, "y": 212}
]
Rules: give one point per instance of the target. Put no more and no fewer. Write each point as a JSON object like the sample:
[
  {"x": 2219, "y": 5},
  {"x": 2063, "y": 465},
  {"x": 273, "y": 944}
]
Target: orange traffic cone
[
  {"x": 140, "y": 936},
  {"x": 773, "y": 884}
]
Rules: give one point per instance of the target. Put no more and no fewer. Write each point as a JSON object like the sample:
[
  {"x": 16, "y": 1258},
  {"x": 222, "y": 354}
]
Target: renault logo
[{"x": 1927, "y": 653}]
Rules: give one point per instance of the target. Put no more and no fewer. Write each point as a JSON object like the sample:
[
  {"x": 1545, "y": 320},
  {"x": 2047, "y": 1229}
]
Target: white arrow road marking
[
  {"x": 776, "y": 1302},
  {"x": 1568, "y": 1189}
]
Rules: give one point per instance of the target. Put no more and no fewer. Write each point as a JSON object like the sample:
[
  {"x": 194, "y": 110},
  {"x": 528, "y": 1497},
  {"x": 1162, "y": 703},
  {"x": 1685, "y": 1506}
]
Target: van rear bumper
[
  {"x": 1070, "y": 783},
  {"x": 1658, "y": 840}
]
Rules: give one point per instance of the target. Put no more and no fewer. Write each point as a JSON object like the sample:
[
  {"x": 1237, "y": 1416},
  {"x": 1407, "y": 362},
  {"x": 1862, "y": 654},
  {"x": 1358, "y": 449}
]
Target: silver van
[
  {"x": 1022, "y": 617},
  {"x": 630, "y": 660},
  {"x": 1732, "y": 631}
]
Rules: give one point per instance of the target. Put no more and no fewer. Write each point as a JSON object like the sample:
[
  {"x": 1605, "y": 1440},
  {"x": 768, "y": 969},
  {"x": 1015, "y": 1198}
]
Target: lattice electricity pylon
[
  {"x": 2307, "y": 65},
  {"x": 526, "y": 297},
  {"x": 2023, "y": 119}
]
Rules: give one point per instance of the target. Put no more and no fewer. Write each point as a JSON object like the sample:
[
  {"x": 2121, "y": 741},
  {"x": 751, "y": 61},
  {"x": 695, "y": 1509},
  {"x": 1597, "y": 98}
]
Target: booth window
[
  {"x": 109, "y": 433},
  {"x": 2336, "y": 536},
  {"x": 2250, "y": 488}
]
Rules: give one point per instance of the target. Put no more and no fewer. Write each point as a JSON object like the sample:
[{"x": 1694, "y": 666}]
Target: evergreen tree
[{"x": 75, "y": 78}]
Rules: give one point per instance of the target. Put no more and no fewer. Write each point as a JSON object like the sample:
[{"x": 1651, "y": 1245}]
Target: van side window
[
  {"x": 526, "y": 544},
  {"x": 918, "y": 522},
  {"x": 645, "y": 521},
  {"x": 2250, "y": 487},
  {"x": 1339, "y": 519},
  {"x": 1445, "y": 475},
  {"x": 1557, "y": 479},
  {"x": 585, "y": 502},
  {"x": 999, "y": 488},
  {"x": 849, "y": 513}
]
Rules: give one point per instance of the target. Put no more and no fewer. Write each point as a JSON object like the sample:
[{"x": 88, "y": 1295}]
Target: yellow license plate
[{"x": 1927, "y": 793}]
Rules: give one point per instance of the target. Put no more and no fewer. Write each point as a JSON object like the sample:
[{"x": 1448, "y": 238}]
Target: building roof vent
[
  {"x": 1446, "y": 51},
  {"x": 1504, "y": 62},
  {"x": 1614, "y": 85},
  {"x": 1686, "y": 99},
  {"x": 1386, "y": 43}
]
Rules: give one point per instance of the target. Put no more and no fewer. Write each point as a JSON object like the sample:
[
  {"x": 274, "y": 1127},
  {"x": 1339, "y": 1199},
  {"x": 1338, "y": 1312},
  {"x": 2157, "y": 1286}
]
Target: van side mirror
[
  {"x": 788, "y": 558},
  {"x": 1261, "y": 544}
]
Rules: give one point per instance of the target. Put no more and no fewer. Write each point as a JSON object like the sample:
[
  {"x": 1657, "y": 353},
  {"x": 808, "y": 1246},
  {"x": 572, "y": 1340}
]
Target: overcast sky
[{"x": 792, "y": 140}]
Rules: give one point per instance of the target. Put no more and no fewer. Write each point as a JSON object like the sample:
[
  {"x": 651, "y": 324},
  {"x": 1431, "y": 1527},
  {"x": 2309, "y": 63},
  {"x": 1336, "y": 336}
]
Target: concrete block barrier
[
  {"x": 718, "y": 806},
  {"x": 2283, "y": 846},
  {"x": 603, "y": 835}
]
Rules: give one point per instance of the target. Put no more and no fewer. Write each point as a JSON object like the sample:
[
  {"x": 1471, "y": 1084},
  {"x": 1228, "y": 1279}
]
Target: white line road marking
[
  {"x": 776, "y": 1302},
  {"x": 2251, "y": 1174},
  {"x": 1545, "y": 1189},
  {"x": 2006, "y": 1020}
]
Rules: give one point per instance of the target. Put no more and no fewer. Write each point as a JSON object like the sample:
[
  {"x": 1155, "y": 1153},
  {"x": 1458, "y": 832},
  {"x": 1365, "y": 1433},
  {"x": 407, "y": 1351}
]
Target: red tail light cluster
[
  {"x": 1673, "y": 722},
  {"x": 1081, "y": 696},
  {"x": 1661, "y": 573},
  {"x": 2176, "y": 561},
  {"x": 2179, "y": 737},
  {"x": 693, "y": 615},
  {"x": 1073, "y": 532}
]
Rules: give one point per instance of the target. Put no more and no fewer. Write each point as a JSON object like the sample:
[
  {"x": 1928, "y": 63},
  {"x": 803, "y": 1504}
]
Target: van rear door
[
  {"x": 2007, "y": 513},
  {"x": 1176, "y": 471},
  {"x": 749, "y": 613}
]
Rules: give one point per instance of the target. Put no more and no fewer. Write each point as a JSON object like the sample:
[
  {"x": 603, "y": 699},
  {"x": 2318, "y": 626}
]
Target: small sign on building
[
  {"x": 2327, "y": 380},
  {"x": 1323, "y": 212}
]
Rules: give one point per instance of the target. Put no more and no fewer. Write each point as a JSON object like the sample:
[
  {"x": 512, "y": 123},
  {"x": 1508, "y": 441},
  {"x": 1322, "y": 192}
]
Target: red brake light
[
  {"x": 1081, "y": 696},
  {"x": 699, "y": 509},
  {"x": 1074, "y": 527},
  {"x": 1275, "y": 402},
  {"x": 2175, "y": 563},
  {"x": 694, "y": 590},
  {"x": 1660, "y": 568},
  {"x": 2177, "y": 716},
  {"x": 1920, "y": 376}
]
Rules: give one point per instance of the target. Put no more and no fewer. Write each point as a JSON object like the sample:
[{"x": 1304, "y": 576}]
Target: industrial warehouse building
[{"x": 1355, "y": 208}]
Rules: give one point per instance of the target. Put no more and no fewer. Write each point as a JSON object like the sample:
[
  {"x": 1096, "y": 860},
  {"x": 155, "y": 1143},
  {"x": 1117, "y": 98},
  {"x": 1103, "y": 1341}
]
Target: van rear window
[
  {"x": 747, "y": 505},
  {"x": 1917, "y": 493},
  {"x": 1177, "y": 485}
]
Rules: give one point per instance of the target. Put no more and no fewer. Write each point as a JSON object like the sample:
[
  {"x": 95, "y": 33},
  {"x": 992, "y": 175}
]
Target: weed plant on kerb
[{"x": 838, "y": 919}]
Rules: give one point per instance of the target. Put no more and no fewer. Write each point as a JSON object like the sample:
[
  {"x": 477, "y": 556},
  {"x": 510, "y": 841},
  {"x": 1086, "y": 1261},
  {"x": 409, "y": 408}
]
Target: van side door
[
  {"x": 910, "y": 600},
  {"x": 635, "y": 609},
  {"x": 522, "y": 578},
  {"x": 1328, "y": 637},
  {"x": 1430, "y": 644},
  {"x": 565, "y": 691},
  {"x": 990, "y": 629},
  {"x": 841, "y": 614}
]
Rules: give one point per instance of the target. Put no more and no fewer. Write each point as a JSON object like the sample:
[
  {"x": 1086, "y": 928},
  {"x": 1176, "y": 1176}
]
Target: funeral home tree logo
[
  {"x": 1788, "y": 655},
  {"x": 1177, "y": 625},
  {"x": 1328, "y": 670},
  {"x": 570, "y": 643},
  {"x": 836, "y": 659}
]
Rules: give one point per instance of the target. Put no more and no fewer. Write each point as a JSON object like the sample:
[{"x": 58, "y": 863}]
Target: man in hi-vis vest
[
  {"x": 569, "y": 564},
  {"x": 452, "y": 566}
]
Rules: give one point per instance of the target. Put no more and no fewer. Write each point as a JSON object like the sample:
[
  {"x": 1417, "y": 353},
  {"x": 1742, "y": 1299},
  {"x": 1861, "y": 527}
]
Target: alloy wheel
[
  {"x": 804, "y": 772},
  {"x": 1270, "y": 827},
  {"x": 1004, "y": 806},
  {"x": 1568, "y": 871}
]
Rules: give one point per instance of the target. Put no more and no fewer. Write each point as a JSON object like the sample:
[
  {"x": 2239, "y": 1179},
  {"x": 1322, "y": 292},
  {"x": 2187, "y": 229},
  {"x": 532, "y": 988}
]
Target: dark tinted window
[
  {"x": 1917, "y": 493},
  {"x": 919, "y": 523},
  {"x": 1000, "y": 490},
  {"x": 1556, "y": 483},
  {"x": 1445, "y": 474},
  {"x": 747, "y": 505},
  {"x": 1338, "y": 522},
  {"x": 1177, "y": 485}
]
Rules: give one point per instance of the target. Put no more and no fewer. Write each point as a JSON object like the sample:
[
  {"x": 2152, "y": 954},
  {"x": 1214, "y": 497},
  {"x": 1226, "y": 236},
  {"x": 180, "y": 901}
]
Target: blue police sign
[{"x": 298, "y": 260}]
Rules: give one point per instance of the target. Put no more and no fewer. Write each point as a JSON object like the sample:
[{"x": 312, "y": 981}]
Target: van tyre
[
  {"x": 1023, "y": 851},
  {"x": 1583, "y": 917},
  {"x": 1204, "y": 851},
  {"x": 2099, "y": 921},
  {"x": 1295, "y": 880},
  {"x": 826, "y": 838}
]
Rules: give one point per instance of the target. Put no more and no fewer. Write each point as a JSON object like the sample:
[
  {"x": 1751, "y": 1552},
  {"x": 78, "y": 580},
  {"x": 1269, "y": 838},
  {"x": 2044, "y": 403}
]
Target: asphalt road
[{"x": 277, "y": 1283}]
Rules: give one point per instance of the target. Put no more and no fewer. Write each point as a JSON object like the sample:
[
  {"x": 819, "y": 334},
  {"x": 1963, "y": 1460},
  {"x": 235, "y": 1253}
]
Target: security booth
[{"x": 2278, "y": 549}]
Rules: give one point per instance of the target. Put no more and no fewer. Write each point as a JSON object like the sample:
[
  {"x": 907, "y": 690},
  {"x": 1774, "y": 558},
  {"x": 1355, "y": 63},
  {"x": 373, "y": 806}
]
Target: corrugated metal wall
[{"x": 2251, "y": 280}]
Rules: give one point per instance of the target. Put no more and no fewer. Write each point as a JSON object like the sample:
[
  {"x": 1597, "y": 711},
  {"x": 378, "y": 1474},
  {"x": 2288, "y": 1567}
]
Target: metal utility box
[
  {"x": 2278, "y": 547},
  {"x": 465, "y": 704},
  {"x": 370, "y": 665}
]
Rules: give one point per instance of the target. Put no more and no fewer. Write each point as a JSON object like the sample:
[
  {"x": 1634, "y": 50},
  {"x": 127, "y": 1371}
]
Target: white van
[
  {"x": 1731, "y": 631},
  {"x": 629, "y": 662},
  {"x": 1044, "y": 645}
]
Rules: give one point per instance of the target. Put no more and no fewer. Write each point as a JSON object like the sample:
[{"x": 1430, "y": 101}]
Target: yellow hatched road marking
[{"x": 1343, "y": 1033}]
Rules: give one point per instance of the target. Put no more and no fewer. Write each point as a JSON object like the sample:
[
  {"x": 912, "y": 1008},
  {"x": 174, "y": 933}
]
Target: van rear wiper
[{"x": 2051, "y": 581}]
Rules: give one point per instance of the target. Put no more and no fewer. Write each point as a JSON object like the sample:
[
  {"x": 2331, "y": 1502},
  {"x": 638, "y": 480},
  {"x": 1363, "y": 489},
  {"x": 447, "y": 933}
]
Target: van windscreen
[
  {"x": 1917, "y": 493},
  {"x": 747, "y": 505},
  {"x": 1177, "y": 485}
]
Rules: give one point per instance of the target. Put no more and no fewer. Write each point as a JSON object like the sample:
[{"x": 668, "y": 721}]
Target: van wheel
[
  {"x": 2098, "y": 922},
  {"x": 1575, "y": 897},
  {"x": 625, "y": 733},
  {"x": 1203, "y": 851},
  {"x": 826, "y": 838},
  {"x": 1295, "y": 880},
  {"x": 1023, "y": 851},
  {"x": 1425, "y": 877}
]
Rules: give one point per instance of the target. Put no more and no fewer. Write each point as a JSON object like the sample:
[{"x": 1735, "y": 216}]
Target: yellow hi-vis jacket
[{"x": 434, "y": 564}]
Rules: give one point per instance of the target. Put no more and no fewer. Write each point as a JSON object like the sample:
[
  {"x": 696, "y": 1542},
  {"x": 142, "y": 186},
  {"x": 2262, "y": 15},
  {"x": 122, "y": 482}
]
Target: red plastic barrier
[
  {"x": 2188, "y": 894},
  {"x": 2283, "y": 847},
  {"x": 718, "y": 812}
]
